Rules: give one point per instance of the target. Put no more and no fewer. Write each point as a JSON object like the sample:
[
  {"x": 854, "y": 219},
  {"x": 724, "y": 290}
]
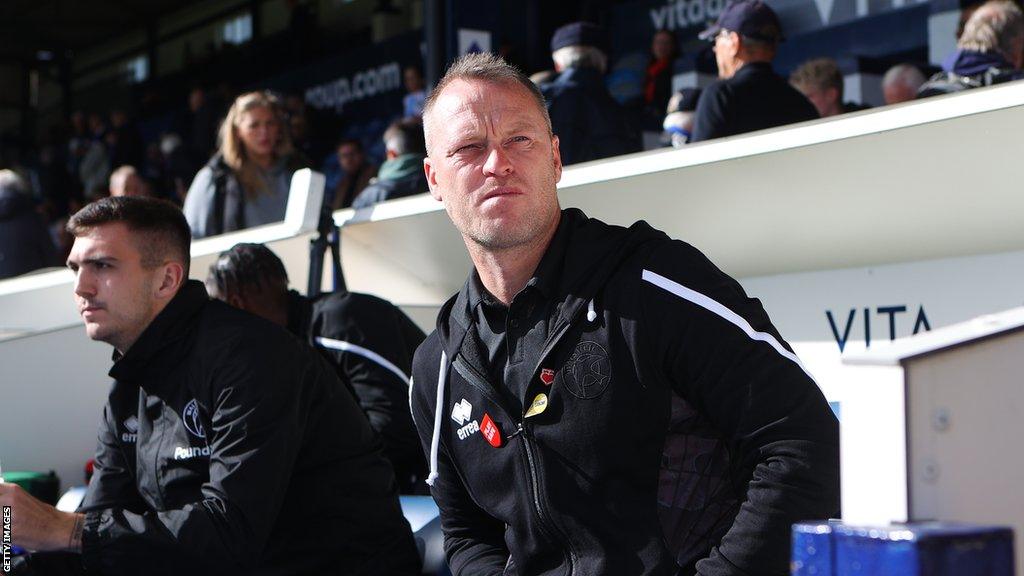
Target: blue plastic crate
[
  {"x": 922, "y": 549},
  {"x": 928, "y": 549},
  {"x": 813, "y": 552}
]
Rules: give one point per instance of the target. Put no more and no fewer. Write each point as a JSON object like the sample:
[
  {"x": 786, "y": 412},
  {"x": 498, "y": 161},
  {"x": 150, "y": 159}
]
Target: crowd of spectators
[{"x": 228, "y": 160}]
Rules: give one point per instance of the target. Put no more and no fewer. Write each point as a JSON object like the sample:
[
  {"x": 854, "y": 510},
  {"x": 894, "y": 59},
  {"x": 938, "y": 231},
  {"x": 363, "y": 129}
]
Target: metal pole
[{"x": 434, "y": 34}]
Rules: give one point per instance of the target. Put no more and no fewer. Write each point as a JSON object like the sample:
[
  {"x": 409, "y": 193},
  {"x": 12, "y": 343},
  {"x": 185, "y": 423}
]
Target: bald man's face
[{"x": 493, "y": 163}]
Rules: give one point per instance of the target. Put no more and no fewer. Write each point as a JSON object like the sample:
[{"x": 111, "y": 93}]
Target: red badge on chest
[
  {"x": 490, "y": 431},
  {"x": 547, "y": 376}
]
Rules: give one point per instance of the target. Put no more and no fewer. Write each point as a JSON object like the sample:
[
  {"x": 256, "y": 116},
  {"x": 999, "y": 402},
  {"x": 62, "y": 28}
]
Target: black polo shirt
[{"x": 506, "y": 335}]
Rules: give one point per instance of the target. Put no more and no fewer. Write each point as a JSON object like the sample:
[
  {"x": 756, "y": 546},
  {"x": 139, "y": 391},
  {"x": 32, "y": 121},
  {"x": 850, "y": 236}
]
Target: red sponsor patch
[
  {"x": 547, "y": 376},
  {"x": 490, "y": 431}
]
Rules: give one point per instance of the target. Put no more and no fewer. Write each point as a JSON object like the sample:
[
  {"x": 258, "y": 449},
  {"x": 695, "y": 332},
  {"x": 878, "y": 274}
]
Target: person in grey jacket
[{"x": 246, "y": 182}]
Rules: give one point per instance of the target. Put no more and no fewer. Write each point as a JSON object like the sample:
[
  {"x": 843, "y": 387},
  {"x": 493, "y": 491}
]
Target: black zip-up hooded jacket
[
  {"x": 370, "y": 343},
  {"x": 230, "y": 447},
  {"x": 676, "y": 427}
]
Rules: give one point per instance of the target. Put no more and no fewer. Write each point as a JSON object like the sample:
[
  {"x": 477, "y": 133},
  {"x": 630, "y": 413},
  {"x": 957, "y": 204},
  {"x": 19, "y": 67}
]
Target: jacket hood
[
  {"x": 593, "y": 252},
  {"x": 13, "y": 203},
  {"x": 972, "y": 63}
]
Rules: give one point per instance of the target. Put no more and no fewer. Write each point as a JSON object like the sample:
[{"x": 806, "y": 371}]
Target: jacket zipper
[
  {"x": 477, "y": 381},
  {"x": 547, "y": 522}
]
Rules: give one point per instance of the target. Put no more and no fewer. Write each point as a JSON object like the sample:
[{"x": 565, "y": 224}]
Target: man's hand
[{"x": 39, "y": 526}]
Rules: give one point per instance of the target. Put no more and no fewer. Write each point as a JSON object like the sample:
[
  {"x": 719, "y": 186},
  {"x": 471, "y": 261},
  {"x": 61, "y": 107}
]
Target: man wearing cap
[
  {"x": 589, "y": 123},
  {"x": 749, "y": 95}
]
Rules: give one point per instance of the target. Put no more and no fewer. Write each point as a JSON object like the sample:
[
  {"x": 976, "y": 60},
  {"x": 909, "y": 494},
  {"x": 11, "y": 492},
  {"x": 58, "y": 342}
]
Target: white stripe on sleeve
[{"x": 725, "y": 313}]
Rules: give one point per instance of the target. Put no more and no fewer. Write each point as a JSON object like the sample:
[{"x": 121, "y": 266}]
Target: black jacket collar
[
  {"x": 171, "y": 325},
  {"x": 753, "y": 68},
  {"x": 581, "y": 256}
]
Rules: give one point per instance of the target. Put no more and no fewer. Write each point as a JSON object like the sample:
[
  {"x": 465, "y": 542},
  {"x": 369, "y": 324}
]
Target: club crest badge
[{"x": 190, "y": 417}]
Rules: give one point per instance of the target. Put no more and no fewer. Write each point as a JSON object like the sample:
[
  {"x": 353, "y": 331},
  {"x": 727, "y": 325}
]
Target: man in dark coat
[
  {"x": 749, "y": 95},
  {"x": 589, "y": 124},
  {"x": 25, "y": 245}
]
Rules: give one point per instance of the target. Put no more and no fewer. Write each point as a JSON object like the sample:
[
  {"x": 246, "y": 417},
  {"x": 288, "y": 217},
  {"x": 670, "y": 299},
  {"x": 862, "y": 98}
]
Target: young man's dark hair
[
  {"x": 164, "y": 230},
  {"x": 368, "y": 341},
  {"x": 244, "y": 268}
]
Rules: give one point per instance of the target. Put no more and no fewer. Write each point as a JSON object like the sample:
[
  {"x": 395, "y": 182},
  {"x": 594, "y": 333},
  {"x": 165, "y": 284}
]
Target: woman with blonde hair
[{"x": 246, "y": 182}]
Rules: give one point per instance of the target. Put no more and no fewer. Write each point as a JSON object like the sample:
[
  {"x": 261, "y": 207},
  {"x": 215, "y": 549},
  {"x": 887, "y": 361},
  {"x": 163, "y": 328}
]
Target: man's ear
[
  {"x": 172, "y": 276},
  {"x": 236, "y": 300},
  {"x": 557, "y": 158},
  {"x": 431, "y": 174}
]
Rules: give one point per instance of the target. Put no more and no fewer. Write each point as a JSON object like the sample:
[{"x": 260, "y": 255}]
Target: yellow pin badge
[{"x": 539, "y": 404}]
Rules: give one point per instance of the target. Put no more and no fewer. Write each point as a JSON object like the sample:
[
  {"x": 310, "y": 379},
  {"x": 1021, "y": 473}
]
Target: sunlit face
[
  {"x": 116, "y": 295},
  {"x": 493, "y": 164},
  {"x": 259, "y": 130}
]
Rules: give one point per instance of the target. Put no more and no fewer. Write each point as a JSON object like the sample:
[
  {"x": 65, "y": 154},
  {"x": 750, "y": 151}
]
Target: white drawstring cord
[
  {"x": 435, "y": 440},
  {"x": 591, "y": 313}
]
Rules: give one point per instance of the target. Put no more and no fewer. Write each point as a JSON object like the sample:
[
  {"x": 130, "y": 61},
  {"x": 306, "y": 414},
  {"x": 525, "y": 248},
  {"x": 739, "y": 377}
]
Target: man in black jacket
[
  {"x": 226, "y": 446},
  {"x": 368, "y": 341},
  {"x": 598, "y": 400},
  {"x": 749, "y": 95}
]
